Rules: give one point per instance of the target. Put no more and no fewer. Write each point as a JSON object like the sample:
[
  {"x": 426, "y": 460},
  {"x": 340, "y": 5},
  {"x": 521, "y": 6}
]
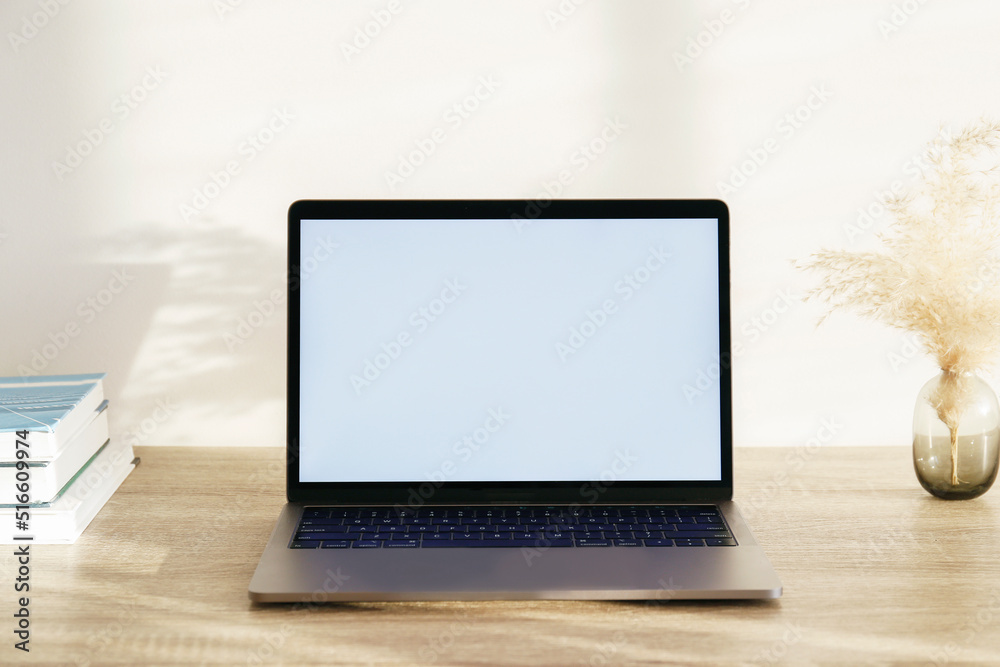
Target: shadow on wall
[{"x": 189, "y": 324}]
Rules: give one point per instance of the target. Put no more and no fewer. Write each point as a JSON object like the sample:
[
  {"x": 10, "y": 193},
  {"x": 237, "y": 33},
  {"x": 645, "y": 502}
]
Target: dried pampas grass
[{"x": 938, "y": 272}]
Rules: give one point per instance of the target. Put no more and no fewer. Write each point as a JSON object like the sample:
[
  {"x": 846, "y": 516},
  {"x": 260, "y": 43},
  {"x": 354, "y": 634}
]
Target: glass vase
[{"x": 956, "y": 436}]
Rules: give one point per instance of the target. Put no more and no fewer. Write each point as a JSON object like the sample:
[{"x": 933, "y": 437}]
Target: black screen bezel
[{"x": 520, "y": 212}]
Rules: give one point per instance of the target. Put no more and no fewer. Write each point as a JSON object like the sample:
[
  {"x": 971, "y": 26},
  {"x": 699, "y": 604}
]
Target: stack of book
[{"x": 58, "y": 467}]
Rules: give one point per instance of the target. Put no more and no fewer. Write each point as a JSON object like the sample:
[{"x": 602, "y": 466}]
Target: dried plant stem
[
  {"x": 937, "y": 274},
  {"x": 954, "y": 455},
  {"x": 950, "y": 400}
]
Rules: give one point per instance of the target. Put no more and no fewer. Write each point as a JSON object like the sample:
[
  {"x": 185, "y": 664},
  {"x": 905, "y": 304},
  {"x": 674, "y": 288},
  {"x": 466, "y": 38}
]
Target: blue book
[{"x": 50, "y": 408}]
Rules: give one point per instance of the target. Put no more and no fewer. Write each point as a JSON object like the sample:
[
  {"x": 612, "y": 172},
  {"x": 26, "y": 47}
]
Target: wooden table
[{"x": 874, "y": 570}]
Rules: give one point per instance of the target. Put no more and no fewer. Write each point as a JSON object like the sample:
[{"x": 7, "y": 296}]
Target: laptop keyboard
[{"x": 536, "y": 526}]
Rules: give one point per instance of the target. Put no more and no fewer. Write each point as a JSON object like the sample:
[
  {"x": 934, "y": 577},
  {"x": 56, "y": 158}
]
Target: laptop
[{"x": 509, "y": 400}]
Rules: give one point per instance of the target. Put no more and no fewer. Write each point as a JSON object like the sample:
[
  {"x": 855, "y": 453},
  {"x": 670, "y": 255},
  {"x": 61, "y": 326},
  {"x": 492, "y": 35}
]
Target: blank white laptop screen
[{"x": 477, "y": 350}]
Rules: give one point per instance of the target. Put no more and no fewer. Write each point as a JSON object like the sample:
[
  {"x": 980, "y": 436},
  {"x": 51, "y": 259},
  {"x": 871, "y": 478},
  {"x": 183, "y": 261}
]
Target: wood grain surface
[{"x": 875, "y": 571}]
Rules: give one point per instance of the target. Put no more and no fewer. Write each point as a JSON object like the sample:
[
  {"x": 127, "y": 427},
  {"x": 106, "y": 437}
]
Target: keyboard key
[
  {"x": 691, "y": 534},
  {"x": 578, "y": 529},
  {"x": 714, "y": 542},
  {"x": 319, "y": 521},
  {"x": 701, "y": 527},
  {"x": 505, "y": 544},
  {"x": 457, "y": 544},
  {"x": 362, "y": 529},
  {"x": 650, "y": 535},
  {"x": 322, "y": 529},
  {"x": 336, "y": 544},
  {"x": 651, "y": 527},
  {"x": 587, "y": 536},
  {"x": 391, "y": 529},
  {"x": 628, "y": 543},
  {"x": 324, "y": 536},
  {"x": 437, "y": 536},
  {"x": 697, "y": 511},
  {"x": 660, "y": 512},
  {"x": 549, "y": 511},
  {"x": 534, "y": 544},
  {"x": 515, "y": 526},
  {"x": 527, "y": 536},
  {"x": 476, "y": 528}
]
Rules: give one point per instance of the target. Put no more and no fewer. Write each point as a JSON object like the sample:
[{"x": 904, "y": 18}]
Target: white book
[
  {"x": 51, "y": 409},
  {"x": 48, "y": 476},
  {"x": 65, "y": 518}
]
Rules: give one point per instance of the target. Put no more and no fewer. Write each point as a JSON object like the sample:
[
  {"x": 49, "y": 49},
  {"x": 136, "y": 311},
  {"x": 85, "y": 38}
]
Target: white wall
[{"x": 202, "y": 80}]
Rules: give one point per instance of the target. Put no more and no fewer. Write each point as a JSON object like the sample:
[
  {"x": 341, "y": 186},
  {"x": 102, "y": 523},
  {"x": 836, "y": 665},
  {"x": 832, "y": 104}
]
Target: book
[
  {"x": 50, "y": 408},
  {"x": 48, "y": 476},
  {"x": 58, "y": 467},
  {"x": 63, "y": 519}
]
